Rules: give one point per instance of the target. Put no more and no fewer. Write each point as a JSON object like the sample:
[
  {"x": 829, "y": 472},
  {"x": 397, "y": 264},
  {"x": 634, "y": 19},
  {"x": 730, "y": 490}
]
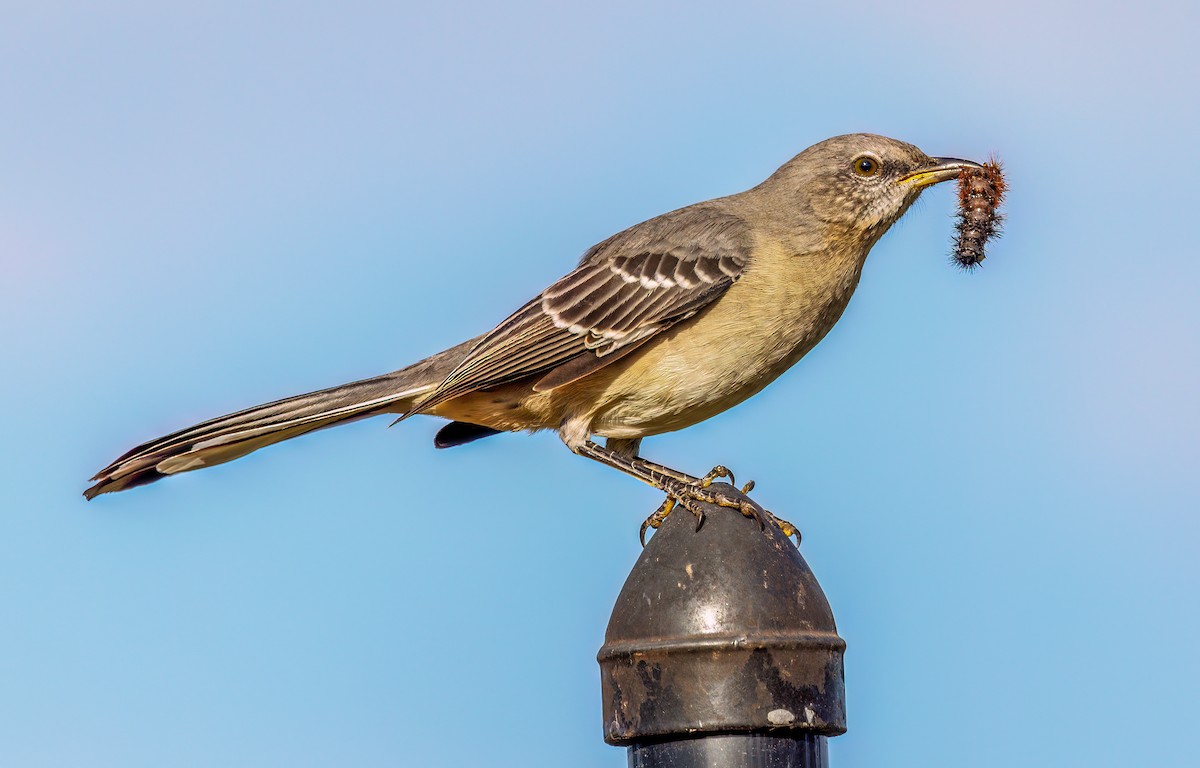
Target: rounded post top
[{"x": 721, "y": 629}]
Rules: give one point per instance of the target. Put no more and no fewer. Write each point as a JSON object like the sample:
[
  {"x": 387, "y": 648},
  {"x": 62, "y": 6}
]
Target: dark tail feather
[
  {"x": 229, "y": 437},
  {"x": 461, "y": 433}
]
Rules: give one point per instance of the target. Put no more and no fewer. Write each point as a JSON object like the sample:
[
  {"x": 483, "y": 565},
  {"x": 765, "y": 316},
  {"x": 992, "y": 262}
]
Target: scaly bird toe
[
  {"x": 716, "y": 473},
  {"x": 687, "y": 494},
  {"x": 676, "y": 495},
  {"x": 788, "y": 529}
]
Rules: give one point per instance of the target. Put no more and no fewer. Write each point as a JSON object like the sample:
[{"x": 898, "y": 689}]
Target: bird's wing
[{"x": 624, "y": 291}]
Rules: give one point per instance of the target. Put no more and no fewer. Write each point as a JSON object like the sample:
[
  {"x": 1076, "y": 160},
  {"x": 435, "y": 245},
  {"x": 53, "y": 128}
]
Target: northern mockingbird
[{"x": 659, "y": 327}]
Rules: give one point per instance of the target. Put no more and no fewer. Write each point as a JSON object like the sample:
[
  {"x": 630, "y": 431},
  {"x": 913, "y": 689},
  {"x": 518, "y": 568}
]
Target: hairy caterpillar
[{"x": 980, "y": 193}]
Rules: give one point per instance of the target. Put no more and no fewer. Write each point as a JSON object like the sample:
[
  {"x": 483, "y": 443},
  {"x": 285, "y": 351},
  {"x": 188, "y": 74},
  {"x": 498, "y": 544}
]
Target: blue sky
[{"x": 208, "y": 207}]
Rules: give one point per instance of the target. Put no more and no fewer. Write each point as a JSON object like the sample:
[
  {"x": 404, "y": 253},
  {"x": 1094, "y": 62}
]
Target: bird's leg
[
  {"x": 628, "y": 449},
  {"x": 713, "y": 475},
  {"x": 681, "y": 488}
]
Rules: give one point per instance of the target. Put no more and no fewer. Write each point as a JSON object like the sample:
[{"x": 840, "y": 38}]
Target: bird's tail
[{"x": 230, "y": 437}]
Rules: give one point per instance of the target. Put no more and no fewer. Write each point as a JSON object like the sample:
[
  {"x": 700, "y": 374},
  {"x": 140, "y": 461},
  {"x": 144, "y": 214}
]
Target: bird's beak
[{"x": 943, "y": 169}]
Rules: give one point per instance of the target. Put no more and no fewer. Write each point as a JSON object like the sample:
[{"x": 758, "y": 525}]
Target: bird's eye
[{"x": 865, "y": 165}]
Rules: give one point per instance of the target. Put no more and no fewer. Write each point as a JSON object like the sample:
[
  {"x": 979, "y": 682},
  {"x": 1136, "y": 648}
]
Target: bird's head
[{"x": 864, "y": 183}]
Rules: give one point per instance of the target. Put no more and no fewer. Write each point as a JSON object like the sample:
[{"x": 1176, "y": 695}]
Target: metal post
[{"x": 722, "y": 651}]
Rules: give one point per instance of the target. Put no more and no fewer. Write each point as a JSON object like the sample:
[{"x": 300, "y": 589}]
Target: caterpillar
[{"x": 980, "y": 193}]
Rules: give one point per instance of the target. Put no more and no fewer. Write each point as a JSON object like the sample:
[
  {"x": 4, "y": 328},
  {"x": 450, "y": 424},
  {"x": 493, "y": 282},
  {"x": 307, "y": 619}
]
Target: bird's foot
[
  {"x": 788, "y": 529},
  {"x": 689, "y": 494}
]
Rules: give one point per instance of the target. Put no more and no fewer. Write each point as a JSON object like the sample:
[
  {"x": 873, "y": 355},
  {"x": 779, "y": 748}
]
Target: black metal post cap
[{"x": 721, "y": 630}]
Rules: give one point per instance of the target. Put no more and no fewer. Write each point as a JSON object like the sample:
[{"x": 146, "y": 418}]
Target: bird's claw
[
  {"x": 787, "y": 528},
  {"x": 665, "y": 509},
  {"x": 688, "y": 494},
  {"x": 716, "y": 473}
]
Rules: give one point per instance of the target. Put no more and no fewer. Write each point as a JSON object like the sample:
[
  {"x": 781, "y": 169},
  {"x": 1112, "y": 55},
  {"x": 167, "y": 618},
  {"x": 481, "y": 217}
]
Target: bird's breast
[{"x": 780, "y": 309}]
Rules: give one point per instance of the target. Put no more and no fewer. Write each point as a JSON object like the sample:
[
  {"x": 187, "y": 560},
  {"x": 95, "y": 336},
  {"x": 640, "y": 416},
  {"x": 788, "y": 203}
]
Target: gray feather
[
  {"x": 228, "y": 437},
  {"x": 624, "y": 291}
]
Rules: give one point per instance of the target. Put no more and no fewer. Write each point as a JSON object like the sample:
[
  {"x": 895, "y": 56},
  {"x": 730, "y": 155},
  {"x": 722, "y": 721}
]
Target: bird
[{"x": 657, "y": 328}]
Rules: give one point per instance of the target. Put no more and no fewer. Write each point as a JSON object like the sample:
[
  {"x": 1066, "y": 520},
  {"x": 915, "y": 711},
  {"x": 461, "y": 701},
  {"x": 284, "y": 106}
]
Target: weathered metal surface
[
  {"x": 721, "y": 630},
  {"x": 724, "y": 750}
]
